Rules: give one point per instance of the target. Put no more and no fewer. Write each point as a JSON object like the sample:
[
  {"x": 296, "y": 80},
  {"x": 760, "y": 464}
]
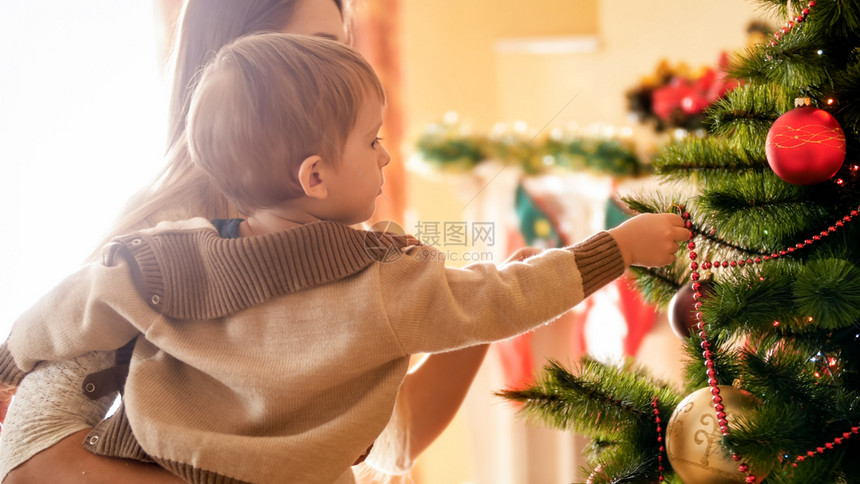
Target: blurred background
[{"x": 509, "y": 122}]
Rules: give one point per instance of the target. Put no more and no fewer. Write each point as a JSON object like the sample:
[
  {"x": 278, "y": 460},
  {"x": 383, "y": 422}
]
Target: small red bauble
[{"x": 805, "y": 146}]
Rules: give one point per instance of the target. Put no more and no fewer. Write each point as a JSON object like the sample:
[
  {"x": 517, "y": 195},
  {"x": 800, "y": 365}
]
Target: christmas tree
[{"x": 766, "y": 292}]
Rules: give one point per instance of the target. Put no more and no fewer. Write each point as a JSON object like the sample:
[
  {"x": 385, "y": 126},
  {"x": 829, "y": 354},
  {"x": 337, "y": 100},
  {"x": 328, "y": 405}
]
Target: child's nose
[{"x": 384, "y": 158}]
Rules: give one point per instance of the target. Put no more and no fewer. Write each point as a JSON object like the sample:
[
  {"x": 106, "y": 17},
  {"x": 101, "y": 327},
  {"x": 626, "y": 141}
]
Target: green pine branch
[
  {"x": 848, "y": 110},
  {"x": 794, "y": 64},
  {"x": 726, "y": 363},
  {"x": 612, "y": 404},
  {"x": 836, "y": 22},
  {"x": 582, "y": 402},
  {"x": 703, "y": 160},
  {"x": 658, "y": 285},
  {"x": 762, "y": 212},
  {"x": 828, "y": 291},
  {"x": 742, "y": 118}
]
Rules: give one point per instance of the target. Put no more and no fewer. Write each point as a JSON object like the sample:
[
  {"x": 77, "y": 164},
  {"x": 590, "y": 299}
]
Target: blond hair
[{"x": 267, "y": 102}]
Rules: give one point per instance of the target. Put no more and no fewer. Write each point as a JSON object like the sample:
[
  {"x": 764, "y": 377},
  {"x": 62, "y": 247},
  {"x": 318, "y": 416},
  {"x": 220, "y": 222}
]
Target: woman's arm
[
  {"x": 6, "y": 394},
  {"x": 48, "y": 421},
  {"x": 68, "y": 462},
  {"x": 435, "y": 390}
]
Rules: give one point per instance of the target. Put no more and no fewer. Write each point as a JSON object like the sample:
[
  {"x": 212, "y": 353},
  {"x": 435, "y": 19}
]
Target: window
[{"x": 82, "y": 120}]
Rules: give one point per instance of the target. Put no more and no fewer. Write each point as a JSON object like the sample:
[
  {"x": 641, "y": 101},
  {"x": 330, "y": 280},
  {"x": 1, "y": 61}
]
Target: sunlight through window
[{"x": 82, "y": 122}]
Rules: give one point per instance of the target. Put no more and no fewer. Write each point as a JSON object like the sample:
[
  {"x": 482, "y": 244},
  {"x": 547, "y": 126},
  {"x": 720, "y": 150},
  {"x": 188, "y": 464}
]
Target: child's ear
[{"x": 312, "y": 177}]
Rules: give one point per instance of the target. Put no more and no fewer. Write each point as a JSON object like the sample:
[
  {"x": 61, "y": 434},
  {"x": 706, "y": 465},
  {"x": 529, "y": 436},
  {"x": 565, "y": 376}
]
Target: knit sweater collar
[{"x": 187, "y": 271}]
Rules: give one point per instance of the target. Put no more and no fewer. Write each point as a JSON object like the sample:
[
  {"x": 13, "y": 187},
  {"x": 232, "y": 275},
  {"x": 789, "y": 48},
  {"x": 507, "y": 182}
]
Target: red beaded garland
[
  {"x": 825, "y": 447},
  {"x": 791, "y": 24},
  {"x": 661, "y": 448},
  {"x": 717, "y": 264},
  {"x": 706, "y": 345}
]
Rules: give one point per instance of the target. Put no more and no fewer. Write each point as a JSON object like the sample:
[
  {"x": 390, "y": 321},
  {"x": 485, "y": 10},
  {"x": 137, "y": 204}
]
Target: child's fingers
[
  {"x": 677, "y": 227},
  {"x": 681, "y": 225},
  {"x": 675, "y": 220},
  {"x": 681, "y": 234},
  {"x": 675, "y": 232}
]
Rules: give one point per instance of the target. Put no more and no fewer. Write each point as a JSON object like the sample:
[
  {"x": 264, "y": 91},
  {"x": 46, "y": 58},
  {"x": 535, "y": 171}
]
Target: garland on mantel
[{"x": 451, "y": 146}]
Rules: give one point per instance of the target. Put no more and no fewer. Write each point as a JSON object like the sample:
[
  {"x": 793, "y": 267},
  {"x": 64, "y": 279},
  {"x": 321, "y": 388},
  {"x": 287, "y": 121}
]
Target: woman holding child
[{"x": 43, "y": 439}]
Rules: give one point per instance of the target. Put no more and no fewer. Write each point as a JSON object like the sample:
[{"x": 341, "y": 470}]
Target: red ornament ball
[
  {"x": 682, "y": 308},
  {"x": 805, "y": 146}
]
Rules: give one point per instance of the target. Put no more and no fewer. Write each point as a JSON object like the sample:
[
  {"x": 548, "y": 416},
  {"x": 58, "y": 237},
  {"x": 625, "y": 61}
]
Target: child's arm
[
  {"x": 89, "y": 310},
  {"x": 433, "y": 308}
]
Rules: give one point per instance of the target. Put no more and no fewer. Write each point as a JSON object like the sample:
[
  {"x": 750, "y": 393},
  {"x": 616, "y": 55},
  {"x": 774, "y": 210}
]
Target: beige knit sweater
[{"x": 278, "y": 358}]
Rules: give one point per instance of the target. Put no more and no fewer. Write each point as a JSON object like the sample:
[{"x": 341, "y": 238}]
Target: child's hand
[{"x": 650, "y": 239}]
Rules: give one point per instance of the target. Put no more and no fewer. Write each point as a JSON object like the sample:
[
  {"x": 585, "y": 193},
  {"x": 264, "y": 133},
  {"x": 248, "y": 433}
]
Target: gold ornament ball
[{"x": 693, "y": 438}]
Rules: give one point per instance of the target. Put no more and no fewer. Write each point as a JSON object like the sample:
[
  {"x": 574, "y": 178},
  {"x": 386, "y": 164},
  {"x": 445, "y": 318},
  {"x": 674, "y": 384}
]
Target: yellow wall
[
  {"x": 450, "y": 62},
  {"x": 448, "y": 49}
]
